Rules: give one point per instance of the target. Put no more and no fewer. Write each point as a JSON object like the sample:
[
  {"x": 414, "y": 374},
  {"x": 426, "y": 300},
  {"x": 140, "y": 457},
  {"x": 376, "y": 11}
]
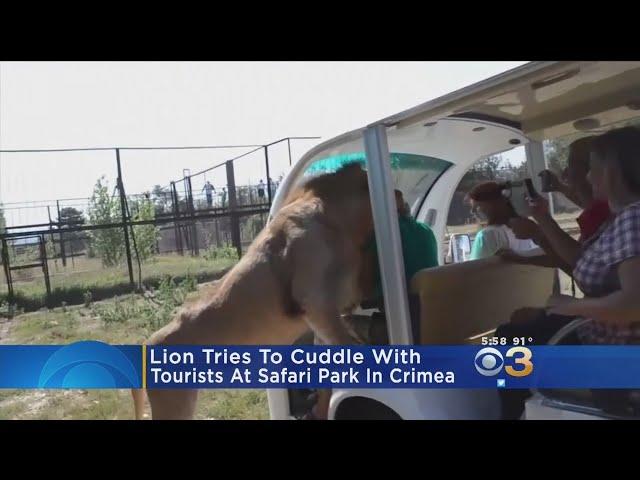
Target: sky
[{"x": 45, "y": 105}]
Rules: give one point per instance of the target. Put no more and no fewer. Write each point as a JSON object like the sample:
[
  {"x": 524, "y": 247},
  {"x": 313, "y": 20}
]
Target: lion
[{"x": 301, "y": 272}]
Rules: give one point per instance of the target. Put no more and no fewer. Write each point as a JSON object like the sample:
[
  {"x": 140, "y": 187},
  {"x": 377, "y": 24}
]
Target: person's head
[
  {"x": 575, "y": 174},
  {"x": 615, "y": 166},
  {"x": 489, "y": 203},
  {"x": 402, "y": 206}
]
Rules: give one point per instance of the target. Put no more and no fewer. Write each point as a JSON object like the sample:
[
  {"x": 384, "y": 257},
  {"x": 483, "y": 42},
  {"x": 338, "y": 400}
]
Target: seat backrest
[{"x": 464, "y": 300}]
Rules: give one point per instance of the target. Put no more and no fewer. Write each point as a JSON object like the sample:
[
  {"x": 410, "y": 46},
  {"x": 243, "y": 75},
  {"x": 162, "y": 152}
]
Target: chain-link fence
[{"x": 70, "y": 249}]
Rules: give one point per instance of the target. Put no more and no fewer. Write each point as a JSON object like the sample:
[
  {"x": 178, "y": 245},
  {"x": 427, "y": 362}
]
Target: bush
[
  {"x": 154, "y": 312},
  {"x": 226, "y": 252},
  {"x": 88, "y": 298}
]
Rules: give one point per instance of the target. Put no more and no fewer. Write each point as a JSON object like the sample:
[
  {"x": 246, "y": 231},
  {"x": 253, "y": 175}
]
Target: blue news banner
[{"x": 93, "y": 364}]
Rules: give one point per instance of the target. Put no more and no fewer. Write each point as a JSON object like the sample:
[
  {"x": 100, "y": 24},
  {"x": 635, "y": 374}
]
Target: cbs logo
[
  {"x": 489, "y": 362},
  {"x": 88, "y": 364}
]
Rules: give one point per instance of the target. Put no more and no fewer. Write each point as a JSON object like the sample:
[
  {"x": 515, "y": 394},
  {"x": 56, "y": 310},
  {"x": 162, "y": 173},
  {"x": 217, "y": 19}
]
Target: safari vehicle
[{"x": 425, "y": 151}]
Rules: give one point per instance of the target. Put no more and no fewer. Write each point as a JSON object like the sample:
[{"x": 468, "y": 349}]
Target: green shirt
[{"x": 419, "y": 249}]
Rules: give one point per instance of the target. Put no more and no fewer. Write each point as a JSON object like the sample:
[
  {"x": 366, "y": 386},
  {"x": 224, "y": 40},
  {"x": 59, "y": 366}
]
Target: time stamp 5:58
[{"x": 494, "y": 341}]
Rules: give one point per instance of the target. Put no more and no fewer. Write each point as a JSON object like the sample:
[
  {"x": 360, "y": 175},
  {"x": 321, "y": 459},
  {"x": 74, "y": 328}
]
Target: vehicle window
[
  {"x": 412, "y": 174},
  {"x": 462, "y": 224}
]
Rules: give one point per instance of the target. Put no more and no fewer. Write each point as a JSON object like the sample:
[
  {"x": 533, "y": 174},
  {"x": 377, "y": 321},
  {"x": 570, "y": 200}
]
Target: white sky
[{"x": 105, "y": 104}]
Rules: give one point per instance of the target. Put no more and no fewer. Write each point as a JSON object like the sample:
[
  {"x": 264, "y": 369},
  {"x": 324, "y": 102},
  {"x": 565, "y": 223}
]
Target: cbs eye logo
[
  {"x": 489, "y": 362},
  {"x": 88, "y": 364}
]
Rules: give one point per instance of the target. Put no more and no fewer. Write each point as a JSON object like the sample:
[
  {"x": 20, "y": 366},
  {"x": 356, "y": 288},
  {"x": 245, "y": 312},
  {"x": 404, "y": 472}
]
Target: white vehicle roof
[
  {"x": 542, "y": 99},
  {"x": 536, "y": 101}
]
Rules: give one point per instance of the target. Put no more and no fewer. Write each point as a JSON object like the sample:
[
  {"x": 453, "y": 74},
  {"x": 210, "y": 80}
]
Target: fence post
[
  {"x": 45, "y": 267},
  {"x": 289, "y": 147},
  {"x": 7, "y": 271},
  {"x": 194, "y": 227},
  {"x": 176, "y": 214},
  {"x": 53, "y": 241},
  {"x": 62, "y": 251},
  {"x": 266, "y": 160},
  {"x": 125, "y": 221},
  {"x": 235, "y": 221},
  {"x": 185, "y": 226}
]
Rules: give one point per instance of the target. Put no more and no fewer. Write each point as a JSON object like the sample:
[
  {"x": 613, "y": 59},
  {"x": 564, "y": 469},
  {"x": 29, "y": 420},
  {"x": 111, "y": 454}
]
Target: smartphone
[
  {"x": 517, "y": 199},
  {"x": 530, "y": 188}
]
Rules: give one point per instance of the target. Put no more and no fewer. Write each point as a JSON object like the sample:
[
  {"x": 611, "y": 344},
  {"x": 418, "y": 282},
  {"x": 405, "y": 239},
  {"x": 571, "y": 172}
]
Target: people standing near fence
[
  {"x": 209, "y": 191},
  {"x": 223, "y": 196},
  {"x": 261, "y": 190}
]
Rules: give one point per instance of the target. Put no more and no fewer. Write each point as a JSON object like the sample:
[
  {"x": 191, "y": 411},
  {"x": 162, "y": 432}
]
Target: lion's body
[{"x": 300, "y": 273}]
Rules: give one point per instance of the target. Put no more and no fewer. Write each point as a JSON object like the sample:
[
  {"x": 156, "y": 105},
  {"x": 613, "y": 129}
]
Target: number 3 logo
[{"x": 524, "y": 360}]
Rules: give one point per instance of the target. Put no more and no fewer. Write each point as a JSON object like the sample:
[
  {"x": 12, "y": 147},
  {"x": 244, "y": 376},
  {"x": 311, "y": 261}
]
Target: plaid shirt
[{"x": 596, "y": 272}]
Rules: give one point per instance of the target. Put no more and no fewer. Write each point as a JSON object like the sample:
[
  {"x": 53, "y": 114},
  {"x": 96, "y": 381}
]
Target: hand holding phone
[{"x": 538, "y": 207}]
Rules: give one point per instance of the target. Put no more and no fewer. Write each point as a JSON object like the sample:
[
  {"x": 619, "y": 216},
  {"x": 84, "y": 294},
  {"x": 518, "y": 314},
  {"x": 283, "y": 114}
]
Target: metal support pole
[
  {"x": 289, "y": 147},
  {"x": 185, "y": 228},
  {"x": 536, "y": 163},
  {"x": 266, "y": 160},
  {"x": 7, "y": 270},
  {"x": 62, "y": 250},
  {"x": 194, "y": 228},
  {"x": 51, "y": 236},
  {"x": 45, "y": 267},
  {"x": 387, "y": 231},
  {"x": 125, "y": 220},
  {"x": 233, "y": 204},
  {"x": 176, "y": 214}
]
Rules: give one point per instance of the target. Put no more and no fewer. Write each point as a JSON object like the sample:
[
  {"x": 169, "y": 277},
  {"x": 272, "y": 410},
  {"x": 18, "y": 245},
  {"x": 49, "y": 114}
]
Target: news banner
[{"x": 495, "y": 364}]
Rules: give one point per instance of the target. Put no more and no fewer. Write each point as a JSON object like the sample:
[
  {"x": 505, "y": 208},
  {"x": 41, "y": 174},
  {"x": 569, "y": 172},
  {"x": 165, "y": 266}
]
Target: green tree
[
  {"x": 72, "y": 217},
  {"x": 146, "y": 235},
  {"x": 107, "y": 243}
]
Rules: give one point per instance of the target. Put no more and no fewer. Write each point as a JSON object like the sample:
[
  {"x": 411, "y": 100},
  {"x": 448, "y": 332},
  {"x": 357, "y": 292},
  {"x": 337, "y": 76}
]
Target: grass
[
  {"x": 126, "y": 320},
  {"x": 69, "y": 284}
]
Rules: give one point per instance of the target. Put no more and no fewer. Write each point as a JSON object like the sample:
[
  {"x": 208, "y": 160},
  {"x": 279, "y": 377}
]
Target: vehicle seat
[{"x": 461, "y": 302}]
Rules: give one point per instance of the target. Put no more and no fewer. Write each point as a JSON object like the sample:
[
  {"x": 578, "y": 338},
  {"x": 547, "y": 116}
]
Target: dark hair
[
  {"x": 622, "y": 146},
  {"x": 487, "y": 191},
  {"x": 492, "y": 191}
]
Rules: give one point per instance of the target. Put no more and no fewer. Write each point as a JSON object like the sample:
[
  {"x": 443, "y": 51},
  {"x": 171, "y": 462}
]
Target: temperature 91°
[{"x": 517, "y": 341}]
